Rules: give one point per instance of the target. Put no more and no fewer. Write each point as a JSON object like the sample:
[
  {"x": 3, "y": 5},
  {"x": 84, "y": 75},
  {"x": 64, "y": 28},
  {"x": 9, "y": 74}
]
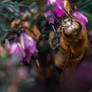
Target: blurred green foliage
[{"x": 85, "y": 6}]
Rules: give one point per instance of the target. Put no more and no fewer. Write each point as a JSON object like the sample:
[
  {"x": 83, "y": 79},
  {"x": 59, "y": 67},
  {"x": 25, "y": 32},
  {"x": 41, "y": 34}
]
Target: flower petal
[
  {"x": 29, "y": 46},
  {"x": 28, "y": 42},
  {"x": 50, "y": 17},
  {"x": 81, "y": 17},
  {"x": 57, "y": 10},
  {"x": 15, "y": 48}
]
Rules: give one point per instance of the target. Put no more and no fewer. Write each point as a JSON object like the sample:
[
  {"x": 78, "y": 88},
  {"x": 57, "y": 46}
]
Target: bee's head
[{"x": 71, "y": 28}]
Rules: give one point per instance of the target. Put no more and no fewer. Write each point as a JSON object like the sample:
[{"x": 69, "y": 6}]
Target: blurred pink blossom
[
  {"x": 58, "y": 10},
  {"x": 81, "y": 17},
  {"x": 29, "y": 46},
  {"x": 28, "y": 42},
  {"x": 50, "y": 17},
  {"x": 25, "y": 48},
  {"x": 16, "y": 48}
]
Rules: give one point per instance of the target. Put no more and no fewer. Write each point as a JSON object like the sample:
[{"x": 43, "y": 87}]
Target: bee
[
  {"x": 72, "y": 40},
  {"x": 72, "y": 45}
]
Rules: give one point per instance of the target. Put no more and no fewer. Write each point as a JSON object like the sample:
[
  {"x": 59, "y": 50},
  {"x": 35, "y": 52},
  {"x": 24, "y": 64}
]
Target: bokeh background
[{"x": 18, "y": 76}]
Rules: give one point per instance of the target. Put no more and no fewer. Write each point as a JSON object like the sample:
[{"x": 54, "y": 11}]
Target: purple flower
[
  {"x": 16, "y": 48},
  {"x": 58, "y": 10},
  {"x": 81, "y": 17},
  {"x": 29, "y": 46},
  {"x": 25, "y": 48},
  {"x": 50, "y": 17}
]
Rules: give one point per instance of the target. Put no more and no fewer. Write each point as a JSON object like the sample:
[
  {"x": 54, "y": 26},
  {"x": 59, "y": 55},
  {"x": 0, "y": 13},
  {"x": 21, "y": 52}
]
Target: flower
[
  {"x": 50, "y": 17},
  {"x": 25, "y": 48},
  {"x": 58, "y": 10},
  {"x": 28, "y": 42},
  {"x": 16, "y": 48},
  {"x": 81, "y": 17},
  {"x": 29, "y": 46}
]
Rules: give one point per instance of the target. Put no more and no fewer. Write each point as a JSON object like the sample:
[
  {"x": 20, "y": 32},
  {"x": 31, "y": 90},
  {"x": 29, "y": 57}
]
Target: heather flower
[
  {"x": 16, "y": 49},
  {"x": 29, "y": 46},
  {"x": 26, "y": 48},
  {"x": 58, "y": 10},
  {"x": 50, "y": 17},
  {"x": 81, "y": 17}
]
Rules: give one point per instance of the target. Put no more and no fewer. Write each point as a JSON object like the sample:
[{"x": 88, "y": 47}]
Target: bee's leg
[
  {"x": 51, "y": 38},
  {"x": 59, "y": 59}
]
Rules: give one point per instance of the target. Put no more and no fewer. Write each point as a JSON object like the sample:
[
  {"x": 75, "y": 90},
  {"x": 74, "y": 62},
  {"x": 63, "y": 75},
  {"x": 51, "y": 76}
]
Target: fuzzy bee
[
  {"x": 70, "y": 39},
  {"x": 72, "y": 45}
]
